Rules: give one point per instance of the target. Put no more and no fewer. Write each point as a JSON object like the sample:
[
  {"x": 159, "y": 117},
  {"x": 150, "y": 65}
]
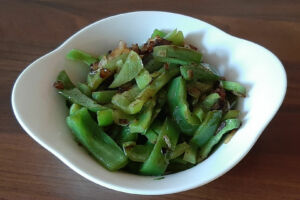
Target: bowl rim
[{"x": 106, "y": 183}]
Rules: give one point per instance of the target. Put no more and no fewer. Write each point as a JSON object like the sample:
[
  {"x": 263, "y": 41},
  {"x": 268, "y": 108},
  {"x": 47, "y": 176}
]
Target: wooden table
[{"x": 29, "y": 29}]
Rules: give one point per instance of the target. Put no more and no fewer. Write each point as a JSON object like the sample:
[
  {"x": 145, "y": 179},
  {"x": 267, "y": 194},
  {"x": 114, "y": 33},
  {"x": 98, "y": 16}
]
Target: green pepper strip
[
  {"x": 94, "y": 79},
  {"x": 103, "y": 97},
  {"x": 143, "y": 79},
  {"x": 126, "y": 136},
  {"x": 65, "y": 80},
  {"x": 84, "y": 89},
  {"x": 123, "y": 100},
  {"x": 142, "y": 123},
  {"x": 180, "y": 53},
  {"x": 130, "y": 69},
  {"x": 105, "y": 117},
  {"x": 190, "y": 154},
  {"x": 78, "y": 55},
  {"x": 198, "y": 72},
  {"x": 178, "y": 151},
  {"x": 157, "y": 162},
  {"x": 74, "y": 107},
  {"x": 148, "y": 92},
  {"x": 229, "y": 125},
  {"x": 75, "y": 96},
  {"x": 231, "y": 114},
  {"x": 176, "y": 37},
  {"x": 151, "y": 136},
  {"x": 97, "y": 142},
  {"x": 207, "y": 128},
  {"x": 159, "y": 33},
  {"x": 177, "y": 100},
  {"x": 160, "y": 102},
  {"x": 236, "y": 88},
  {"x": 138, "y": 153},
  {"x": 170, "y": 134},
  {"x": 151, "y": 64}
]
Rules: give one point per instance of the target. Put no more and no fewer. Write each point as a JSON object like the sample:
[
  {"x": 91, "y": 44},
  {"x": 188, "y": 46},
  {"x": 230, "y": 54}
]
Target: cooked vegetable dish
[{"x": 153, "y": 109}]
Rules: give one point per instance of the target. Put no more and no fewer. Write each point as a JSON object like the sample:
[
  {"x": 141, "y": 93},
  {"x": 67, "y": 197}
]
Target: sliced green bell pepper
[
  {"x": 207, "y": 129},
  {"x": 229, "y": 125},
  {"x": 179, "y": 107},
  {"x": 96, "y": 141}
]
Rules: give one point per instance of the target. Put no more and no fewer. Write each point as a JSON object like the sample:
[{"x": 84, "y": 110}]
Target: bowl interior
[{"x": 42, "y": 112}]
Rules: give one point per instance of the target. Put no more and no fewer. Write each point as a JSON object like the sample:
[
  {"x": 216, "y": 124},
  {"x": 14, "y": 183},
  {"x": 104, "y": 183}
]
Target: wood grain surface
[{"x": 29, "y": 29}]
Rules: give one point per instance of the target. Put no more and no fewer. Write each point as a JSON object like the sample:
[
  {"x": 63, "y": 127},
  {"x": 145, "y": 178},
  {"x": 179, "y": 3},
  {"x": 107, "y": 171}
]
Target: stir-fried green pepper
[
  {"x": 105, "y": 117},
  {"x": 75, "y": 96},
  {"x": 142, "y": 123},
  {"x": 84, "y": 89},
  {"x": 125, "y": 136},
  {"x": 179, "y": 108},
  {"x": 207, "y": 128},
  {"x": 98, "y": 143},
  {"x": 228, "y": 125},
  {"x": 130, "y": 69},
  {"x": 198, "y": 72},
  {"x": 164, "y": 95},
  {"x": 231, "y": 114},
  {"x": 138, "y": 153},
  {"x": 234, "y": 87},
  {"x": 64, "y": 79},
  {"x": 103, "y": 97},
  {"x": 75, "y": 107},
  {"x": 78, "y": 55},
  {"x": 176, "y": 52},
  {"x": 178, "y": 151},
  {"x": 143, "y": 79},
  {"x": 159, "y": 33},
  {"x": 107, "y": 68}
]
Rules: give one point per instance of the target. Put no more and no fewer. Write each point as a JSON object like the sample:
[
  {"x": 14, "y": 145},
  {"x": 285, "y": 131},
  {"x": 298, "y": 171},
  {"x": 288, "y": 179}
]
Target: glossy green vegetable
[
  {"x": 130, "y": 69},
  {"x": 176, "y": 37},
  {"x": 198, "y": 72},
  {"x": 180, "y": 53},
  {"x": 157, "y": 162},
  {"x": 75, "y": 96},
  {"x": 150, "y": 91},
  {"x": 143, "y": 120},
  {"x": 165, "y": 113},
  {"x": 159, "y": 33},
  {"x": 234, "y": 87},
  {"x": 126, "y": 136},
  {"x": 231, "y": 114},
  {"x": 103, "y": 97},
  {"x": 207, "y": 129},
  {"x": 138, "y": 153},
  {"x": 143, "y": 79},
  {"x": 178, "y": 151},
  {"x": 65, "y": 80},
  {"x": 79, "y": 55},
  {"x": 123, "y": 100},
  {"x": 75, "y": 107},
  {"x": 190, "y": 154},
  {"x": 98, "y": 143},
  {"x": 94, "y": 79},
  {"x": 105, "y": 117},
  {"x": 228, "y": 125},
  {"x": 84, "y": 89},
  {"x": 179, "y": 108},
  {"x": 209, "y": 101},
  {"x": 151, "y": 136}
]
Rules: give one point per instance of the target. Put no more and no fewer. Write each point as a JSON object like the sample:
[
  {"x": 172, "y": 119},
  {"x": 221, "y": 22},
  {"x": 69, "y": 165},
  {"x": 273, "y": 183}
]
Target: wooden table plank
[{"x": 29, "y": 29}]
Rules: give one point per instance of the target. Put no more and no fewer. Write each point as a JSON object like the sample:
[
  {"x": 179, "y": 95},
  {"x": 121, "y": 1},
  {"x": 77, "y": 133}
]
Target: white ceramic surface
[{"x": 41, "y": 111}]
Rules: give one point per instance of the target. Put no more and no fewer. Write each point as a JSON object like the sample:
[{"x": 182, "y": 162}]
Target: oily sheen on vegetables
[{"x": 152, "y": 109}]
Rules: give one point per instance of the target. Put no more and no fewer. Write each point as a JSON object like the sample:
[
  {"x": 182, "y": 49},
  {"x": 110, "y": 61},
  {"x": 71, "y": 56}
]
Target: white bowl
[{"x": 42, "y": 112}]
